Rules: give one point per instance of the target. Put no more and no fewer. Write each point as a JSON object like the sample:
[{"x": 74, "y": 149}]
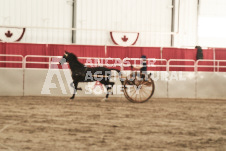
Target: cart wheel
[{"x": 138, "y": 90}]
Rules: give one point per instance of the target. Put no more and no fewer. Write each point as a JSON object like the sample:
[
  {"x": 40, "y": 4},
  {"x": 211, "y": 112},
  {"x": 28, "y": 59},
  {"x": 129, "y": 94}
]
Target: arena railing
[
  {"x": 215, "y": 64},
  {"x": 151, "y": 62},
  {"x": 103, "y": 62},
  {"x": 38, "y": 62},
  {"x": 180, "y": 65},
  {"x": 8, "y": 56},
  {"x": 54, "y": 60}
]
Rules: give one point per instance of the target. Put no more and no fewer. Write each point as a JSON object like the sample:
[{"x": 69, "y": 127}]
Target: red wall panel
[
  {"x": 2, "y": 51},
  {"x": 111, "y": 51},
  {"x": 220, "y": 54},
  {"x": 2, "y": 48},
  {"x": 179, "y": 53},
  {"x": 78, "y": 50},
  {"x": 123, "y": 52},
  {"x": 208, "y": 53},
  {"x": 25, "y": 49},
  {"x": 134, "y": 52}
]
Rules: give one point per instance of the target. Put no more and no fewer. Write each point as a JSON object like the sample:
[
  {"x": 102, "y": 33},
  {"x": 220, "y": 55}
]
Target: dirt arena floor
[{"x": 57, "y": 124}]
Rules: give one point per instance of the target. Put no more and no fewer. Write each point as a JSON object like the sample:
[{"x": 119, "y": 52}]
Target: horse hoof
[{"x": 103, "y": 100}]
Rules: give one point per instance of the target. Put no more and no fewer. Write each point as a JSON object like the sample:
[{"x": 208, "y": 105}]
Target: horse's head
[{"x": 67, "y": 57}]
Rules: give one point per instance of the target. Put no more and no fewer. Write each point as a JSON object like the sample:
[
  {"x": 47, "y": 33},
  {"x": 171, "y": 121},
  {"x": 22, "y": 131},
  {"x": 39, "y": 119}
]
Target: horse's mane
[{"x": 74, "y": 58}]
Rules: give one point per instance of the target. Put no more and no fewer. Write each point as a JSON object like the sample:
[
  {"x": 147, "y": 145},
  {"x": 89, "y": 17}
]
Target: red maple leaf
[
  {"x": 124, "y": 38},
  {"x": 8, "y": 34}
]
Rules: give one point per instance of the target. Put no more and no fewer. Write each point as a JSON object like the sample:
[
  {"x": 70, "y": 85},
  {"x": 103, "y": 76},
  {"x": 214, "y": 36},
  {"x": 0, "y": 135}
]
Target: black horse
[{"x": 81, "y": 73}]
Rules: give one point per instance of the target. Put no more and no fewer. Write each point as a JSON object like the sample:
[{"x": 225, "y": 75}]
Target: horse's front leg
[
  {"x": 108, "y": 86},
  {"x": 75, "y": 89}
]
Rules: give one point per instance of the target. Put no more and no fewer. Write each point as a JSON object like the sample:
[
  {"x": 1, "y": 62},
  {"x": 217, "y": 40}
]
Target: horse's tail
[{"x": 119, "y": 73}]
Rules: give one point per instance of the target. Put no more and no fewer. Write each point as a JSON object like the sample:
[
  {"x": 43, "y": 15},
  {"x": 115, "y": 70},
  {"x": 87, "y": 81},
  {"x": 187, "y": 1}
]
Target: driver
[{"x": 142, "y": 66}]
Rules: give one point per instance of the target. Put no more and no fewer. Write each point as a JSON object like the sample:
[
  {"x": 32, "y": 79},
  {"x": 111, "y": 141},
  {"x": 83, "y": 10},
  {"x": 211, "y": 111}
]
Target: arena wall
[
  {"x": 11, "y": 83},
  {"x": 91, "y": 21},
  {"x": 160, "y": 23},
  {"x": 24, "y": 74},
  {"x": 38, "y": 13},
  {"x": 182, "y": 86},
  {"x": 161, "y": 86},
  {"x": 211, "y": 27},
  {"x": 211, "y": 85},
  {"x": 55, "y": 82},
  {"x": 152, "y": 16},
  {"x": 35, "y": 87},
  {"x": 31, "y": 82}
]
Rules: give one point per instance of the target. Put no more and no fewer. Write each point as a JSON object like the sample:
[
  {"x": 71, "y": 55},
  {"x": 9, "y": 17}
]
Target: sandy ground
[{"x": 57, "y": 124}]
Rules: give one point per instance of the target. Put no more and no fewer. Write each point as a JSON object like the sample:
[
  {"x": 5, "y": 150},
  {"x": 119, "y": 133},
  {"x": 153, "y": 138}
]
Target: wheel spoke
[
  {"x": 140, "y": 97},
  {"x": 131, "y": 89},
  {"x": 136, "y": 97},
  {"x": 145, "y": 93},
  {"x": 145, "y": 90},
  {"x": 133, "y": 93},
  {"x": 142, "y": 94}
]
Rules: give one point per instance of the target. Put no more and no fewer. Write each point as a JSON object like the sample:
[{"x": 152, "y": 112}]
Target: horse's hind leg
[
  {"x": 75, "y": 89},
  {"x": 109, "y": 86}
]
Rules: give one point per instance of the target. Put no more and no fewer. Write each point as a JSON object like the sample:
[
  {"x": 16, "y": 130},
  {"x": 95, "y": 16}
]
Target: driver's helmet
[{"x": 143, "y": 57}]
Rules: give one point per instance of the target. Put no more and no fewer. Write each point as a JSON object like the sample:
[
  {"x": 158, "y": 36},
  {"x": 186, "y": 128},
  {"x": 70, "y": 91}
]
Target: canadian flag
[
  {"x": 10, "y": 34},
  {"x": 124, "y": 38}
]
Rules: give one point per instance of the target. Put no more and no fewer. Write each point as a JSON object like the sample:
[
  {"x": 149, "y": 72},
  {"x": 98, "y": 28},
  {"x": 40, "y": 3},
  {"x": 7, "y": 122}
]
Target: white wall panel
[
  {"x": 186, "y": 23},
  {"x": 35, "y": 87},
  {"x": 212, "y": 23},
  {"x": 211, "y": 85},
  {"x": 182, "y": 85},
  {"x": 38, "y": 87},
  {"x": 152, "y": 18},
  {"x": 39, "y": 13},
  {"x": 11, "y": 83},
  {"x": 161, "y": 90},
  {"x": 144, "y": 16},
  {"x": 208, "y": 85}
]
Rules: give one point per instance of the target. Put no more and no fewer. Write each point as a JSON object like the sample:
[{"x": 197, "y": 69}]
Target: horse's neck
[{"x": 75, "y": 65}]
